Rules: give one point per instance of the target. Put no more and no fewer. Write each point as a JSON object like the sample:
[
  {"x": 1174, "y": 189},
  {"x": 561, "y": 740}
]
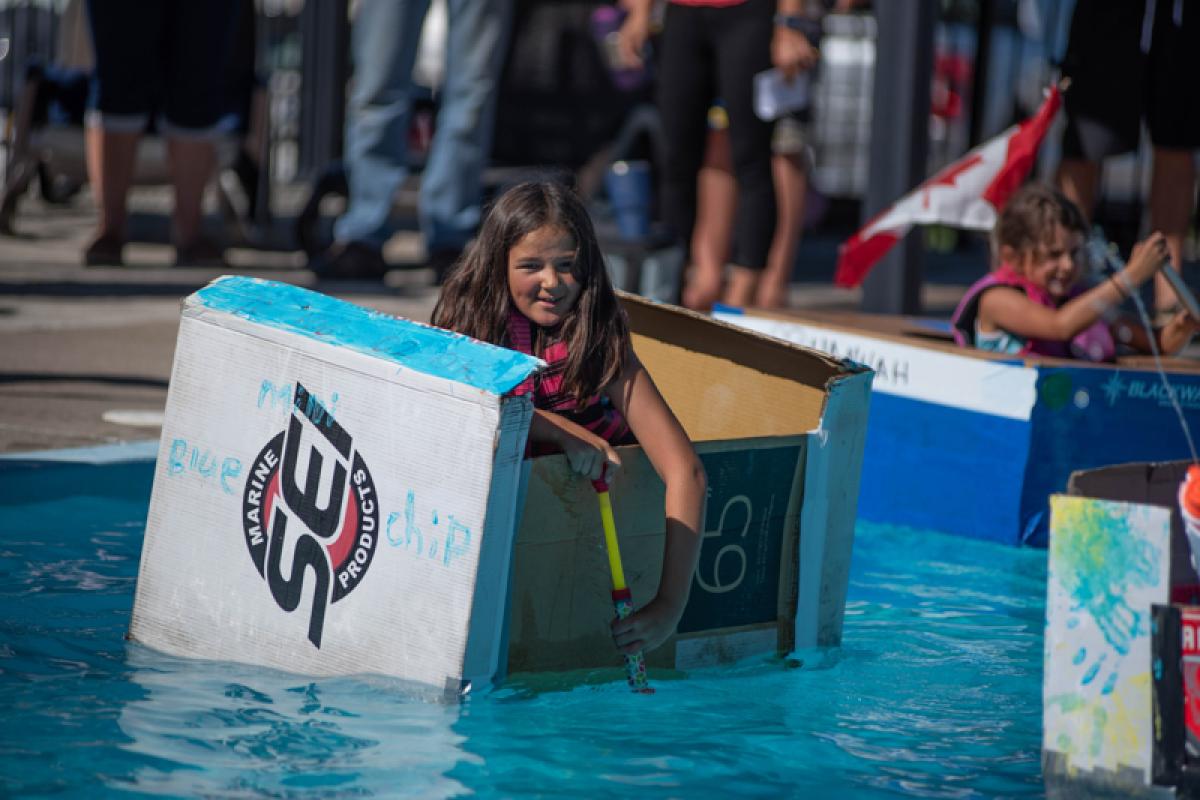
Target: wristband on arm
[
  {"x": 811, "y": 28},
  {"x": 1119, "y": 281}
]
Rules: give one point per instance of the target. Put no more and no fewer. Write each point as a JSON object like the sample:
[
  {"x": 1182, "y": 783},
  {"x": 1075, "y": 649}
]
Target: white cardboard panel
[
  {"x": 1109, "y": 562},
  {"x": 917, "y": 373},
  {"x": 430, "y": 456}
]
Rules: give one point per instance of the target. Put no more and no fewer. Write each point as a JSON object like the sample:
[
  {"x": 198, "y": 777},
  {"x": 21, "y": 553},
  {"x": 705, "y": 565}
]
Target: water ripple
[{"x": 935, "y": 692}]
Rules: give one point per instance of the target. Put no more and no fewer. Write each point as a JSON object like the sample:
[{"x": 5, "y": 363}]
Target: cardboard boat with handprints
[
  {"x": 1121, "y": 687},
  {"x": 342, "y": 492},
  {"x": 971, "y": 443}
]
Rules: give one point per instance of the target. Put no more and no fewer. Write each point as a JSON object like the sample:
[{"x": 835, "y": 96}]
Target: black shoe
[
  {"x": 201, "y": 253},
  {"x": 349, "y": 261},
  {"x": 104, "y": 251},
  {"x": 442, "y": 262}
]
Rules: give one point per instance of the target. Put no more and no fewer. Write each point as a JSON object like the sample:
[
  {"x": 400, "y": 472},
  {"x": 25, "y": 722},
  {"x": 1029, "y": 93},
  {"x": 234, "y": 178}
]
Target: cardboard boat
[
  {"x": 342, "y": 492},
  {"x": 1122, "y": 666},
  {"x": 971, "y": 443}
]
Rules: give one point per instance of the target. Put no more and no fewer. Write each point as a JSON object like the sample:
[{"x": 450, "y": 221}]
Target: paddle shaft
[{"x": 635, "y": 665}]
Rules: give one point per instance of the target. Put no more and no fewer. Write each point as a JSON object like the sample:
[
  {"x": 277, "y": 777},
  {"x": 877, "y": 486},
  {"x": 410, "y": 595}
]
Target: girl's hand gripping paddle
[
  {"x": 635, "y": 665},
  {"x": 1102, "y": 252}
]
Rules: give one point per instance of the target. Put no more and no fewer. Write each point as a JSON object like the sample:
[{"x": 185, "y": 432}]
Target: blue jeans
[{"x": 384, "y": 45}]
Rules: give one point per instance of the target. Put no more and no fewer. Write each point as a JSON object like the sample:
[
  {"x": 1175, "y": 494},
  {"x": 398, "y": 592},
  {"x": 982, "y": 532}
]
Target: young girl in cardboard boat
[
  {"x": 534, "y": 280},
  {"x": 1033, "y": 302}
]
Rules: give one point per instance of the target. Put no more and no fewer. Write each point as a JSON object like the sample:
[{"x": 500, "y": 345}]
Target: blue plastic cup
[{"x": 628, "y": 187}]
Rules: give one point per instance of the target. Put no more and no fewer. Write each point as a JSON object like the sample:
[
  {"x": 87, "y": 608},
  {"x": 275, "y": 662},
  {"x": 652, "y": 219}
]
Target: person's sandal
[
  {"x": 104, "y": 251},
  {"x": 349, "y": 261},
  {"x": 200, "y": 252}
]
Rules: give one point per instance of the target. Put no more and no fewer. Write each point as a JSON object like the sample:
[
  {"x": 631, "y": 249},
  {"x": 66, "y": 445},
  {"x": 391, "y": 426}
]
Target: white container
[{"x": 775, "y": 95}]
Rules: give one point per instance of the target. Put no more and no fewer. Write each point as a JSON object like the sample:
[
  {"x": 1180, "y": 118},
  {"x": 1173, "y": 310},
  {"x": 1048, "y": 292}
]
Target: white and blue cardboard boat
[
  {"x": 972, "y": 443},
  {"x": 342, "y": 492}
]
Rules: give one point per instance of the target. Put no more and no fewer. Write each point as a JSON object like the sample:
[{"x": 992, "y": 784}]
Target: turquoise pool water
[{"x": 935, "y": 691}]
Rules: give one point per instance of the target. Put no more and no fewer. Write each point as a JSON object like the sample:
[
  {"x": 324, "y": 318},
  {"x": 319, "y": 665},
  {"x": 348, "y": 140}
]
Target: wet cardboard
[
  {"x": 335, "y": 491},
  {"x": 1117, "y": 555},
  {"x": 780, "y": 431},
  {"x": 476, "y": 561}
]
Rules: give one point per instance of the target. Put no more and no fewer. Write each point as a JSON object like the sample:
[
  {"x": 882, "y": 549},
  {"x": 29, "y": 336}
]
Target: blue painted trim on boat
[
  {"x": 934, "y": 325},
  {"x": 1087, "y": 418},
  {"x": 965, "y": 473},
  {"x": 933, "y": 467},
  {"x": 422, "y": 348}
]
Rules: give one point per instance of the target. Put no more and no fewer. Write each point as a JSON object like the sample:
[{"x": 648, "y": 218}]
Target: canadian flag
[{"x": 966, "y": 194}]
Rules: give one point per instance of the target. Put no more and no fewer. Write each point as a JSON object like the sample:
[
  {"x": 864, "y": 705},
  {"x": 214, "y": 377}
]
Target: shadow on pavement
[{"x": 58, "y": 377}]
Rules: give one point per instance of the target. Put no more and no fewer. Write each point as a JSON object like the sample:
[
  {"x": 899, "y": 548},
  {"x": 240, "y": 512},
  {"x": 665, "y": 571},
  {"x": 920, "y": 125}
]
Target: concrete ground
[{"x": 85, "y": 353}]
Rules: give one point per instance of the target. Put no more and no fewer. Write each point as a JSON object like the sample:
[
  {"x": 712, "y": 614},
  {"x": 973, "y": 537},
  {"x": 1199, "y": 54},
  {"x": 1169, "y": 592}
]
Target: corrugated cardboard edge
[
  {"x": 486, "y": 658},
  {"x": 831, "y": 482},
  {"x": 1063, "y": 782},
  {"x": 140, "y": 630},
  {"x": 1140, "y": 482},
  {"x": 790, "y": 562},
  {"x": 761, "y": 341}
]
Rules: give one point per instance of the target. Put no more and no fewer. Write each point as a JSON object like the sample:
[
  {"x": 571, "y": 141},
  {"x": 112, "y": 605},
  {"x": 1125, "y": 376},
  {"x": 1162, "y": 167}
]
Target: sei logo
[{"x": 310, "y": 493}]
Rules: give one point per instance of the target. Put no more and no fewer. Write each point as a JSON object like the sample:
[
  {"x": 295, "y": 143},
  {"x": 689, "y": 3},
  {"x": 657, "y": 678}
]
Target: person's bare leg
[
  {"x": 111, "y": 156},
  {"x": 1079, "y": 180},
  {"x": 716, "y": 203},
  {"x": 1172, "y": 196},
  {"x": 742, "y": 286},
  {"x": 192, "y": 163},
  {"x": 791, "y": 184}
]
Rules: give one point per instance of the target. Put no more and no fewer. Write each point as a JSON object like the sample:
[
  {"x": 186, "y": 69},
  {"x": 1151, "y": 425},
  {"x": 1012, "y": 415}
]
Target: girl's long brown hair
[{"x": 475, "y": 299}]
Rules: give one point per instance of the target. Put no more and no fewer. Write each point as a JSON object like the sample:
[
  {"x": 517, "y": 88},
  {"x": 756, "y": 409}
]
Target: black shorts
[{"x": 1115, "y": 85}]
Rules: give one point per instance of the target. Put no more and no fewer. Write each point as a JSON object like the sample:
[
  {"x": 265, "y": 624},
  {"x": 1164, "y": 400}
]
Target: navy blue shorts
[
  {"x": 1116, "y": 82},
  {"x": 163, "y": 57}
]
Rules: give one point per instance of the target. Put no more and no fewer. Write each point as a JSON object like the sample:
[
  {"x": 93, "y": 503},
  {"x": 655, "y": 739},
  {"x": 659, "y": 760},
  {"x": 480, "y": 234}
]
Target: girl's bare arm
[
  {"x": 1169, "y": 339},
  {"x": 675, "y": 460},
  {"x": 1009, "y": 309}
]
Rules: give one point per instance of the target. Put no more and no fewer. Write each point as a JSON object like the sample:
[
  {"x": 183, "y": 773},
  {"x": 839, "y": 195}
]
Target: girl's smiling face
[
  {"x": 1055, "y": 264},
  {"x": 541, "y": 275}
]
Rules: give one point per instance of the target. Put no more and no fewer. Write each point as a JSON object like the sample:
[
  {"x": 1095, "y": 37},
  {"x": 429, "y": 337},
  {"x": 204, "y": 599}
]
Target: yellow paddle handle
[{"x": 610, "y": 542}]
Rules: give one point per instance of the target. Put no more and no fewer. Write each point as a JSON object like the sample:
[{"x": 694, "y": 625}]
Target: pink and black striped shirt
[{"x": 597, "y": 415}]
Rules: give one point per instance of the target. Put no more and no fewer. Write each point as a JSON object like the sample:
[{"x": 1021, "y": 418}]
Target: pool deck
[{"x": 85, "y": 353}]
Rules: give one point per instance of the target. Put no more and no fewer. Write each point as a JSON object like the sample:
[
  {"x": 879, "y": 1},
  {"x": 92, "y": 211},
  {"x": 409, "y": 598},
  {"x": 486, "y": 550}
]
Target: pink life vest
[
  {"x": 1094, "y": 343},
  {"x": 597, "y": 414}
]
